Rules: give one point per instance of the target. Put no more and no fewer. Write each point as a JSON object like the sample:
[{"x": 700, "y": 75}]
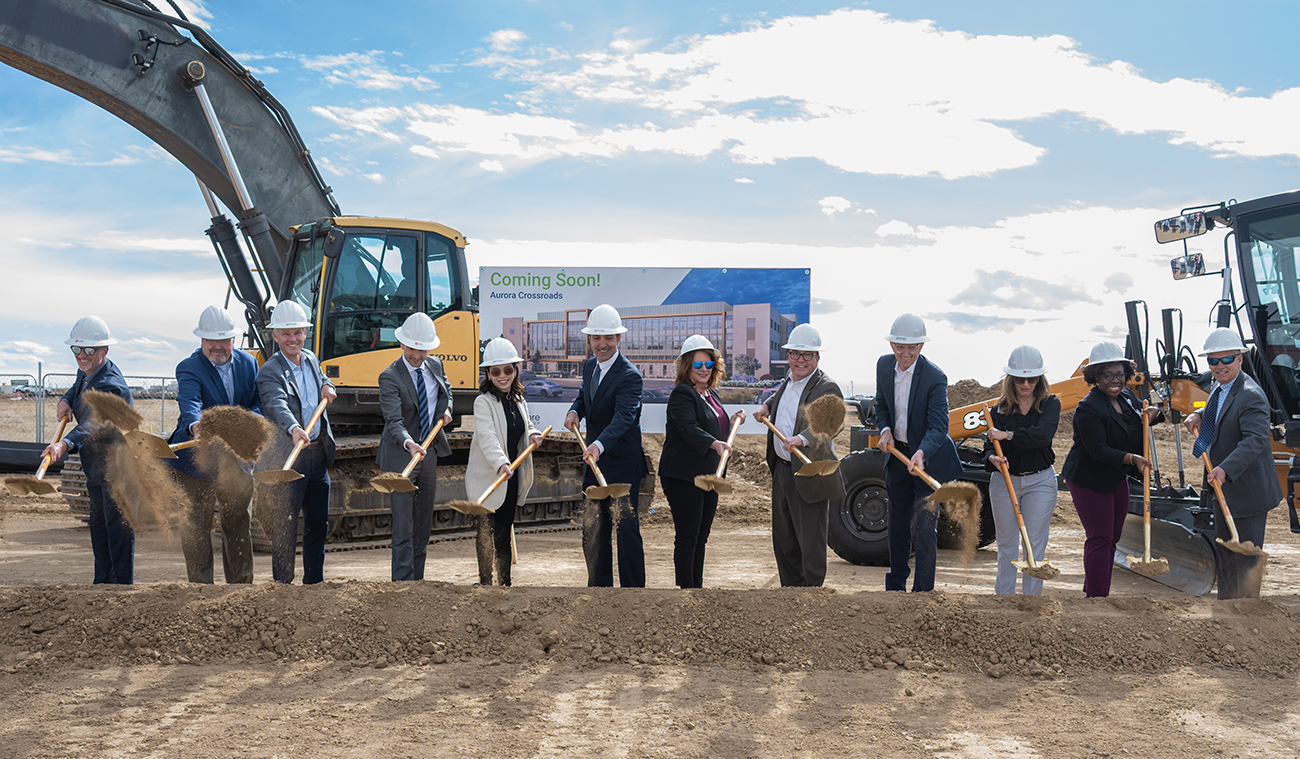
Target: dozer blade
[{"x": 1191, "y": 559}]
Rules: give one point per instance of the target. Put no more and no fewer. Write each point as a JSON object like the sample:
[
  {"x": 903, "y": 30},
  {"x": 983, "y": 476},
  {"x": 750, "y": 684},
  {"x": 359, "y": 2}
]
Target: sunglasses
[
  {"x": 77, "y": 350},
  {"x": 1212, "y": 361},
  {"x": 702, "y": 364},
  {"x": 1026, "y": 380},
  {"x": 497, "y": 371}
]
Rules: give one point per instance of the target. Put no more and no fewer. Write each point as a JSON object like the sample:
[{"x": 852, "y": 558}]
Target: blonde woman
[{"x": 502, "y": 428}]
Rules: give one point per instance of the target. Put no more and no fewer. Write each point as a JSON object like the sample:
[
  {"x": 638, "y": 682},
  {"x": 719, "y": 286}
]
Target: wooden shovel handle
[
  {"x": 1146, "y": 471},
  {"x": 297, "y": 448},
  {"x": 731, "y": 436},
  {"x": 782, "y": 438},
  {"x": 45, "y": 460},
  {"x": 595, "y": 469},
  {"x": 1011, "y": 490},
  {"x": 1218, "y": 492},
  {"x": 513, "y": 465},
  {"x": 932, "y": 482},
  {"x": 415, "y": 457},
  {"x": 183, "y": 446}
]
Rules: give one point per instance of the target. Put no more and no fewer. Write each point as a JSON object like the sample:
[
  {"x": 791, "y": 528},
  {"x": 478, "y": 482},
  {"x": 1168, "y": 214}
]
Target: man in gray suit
[
  {"x": 1234, "y": 427},
  {"x": 413, "y": 394},
  {"x": 291, "y": 385},
  {"x": 800, "y": 505}
]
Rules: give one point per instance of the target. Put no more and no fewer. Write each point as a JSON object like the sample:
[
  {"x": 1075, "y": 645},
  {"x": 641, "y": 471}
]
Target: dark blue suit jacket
[
  {"x": 613, "y": 414},
  {"x": 199, "y": 386},
  {"x": 927, "y": 417},
  {"x": 94, "y": 447}
]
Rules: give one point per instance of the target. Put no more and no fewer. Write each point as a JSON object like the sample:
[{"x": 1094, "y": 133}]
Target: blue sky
[{"x": 995, "y": 167}]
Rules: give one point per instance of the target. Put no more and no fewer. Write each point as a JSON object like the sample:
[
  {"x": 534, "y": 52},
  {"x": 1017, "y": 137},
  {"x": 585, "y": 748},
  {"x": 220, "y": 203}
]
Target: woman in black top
[
  {"x": 1106, "y": 451},
  {"x": 1025, "y": 418},
  {"x": 696, "y": 429}
]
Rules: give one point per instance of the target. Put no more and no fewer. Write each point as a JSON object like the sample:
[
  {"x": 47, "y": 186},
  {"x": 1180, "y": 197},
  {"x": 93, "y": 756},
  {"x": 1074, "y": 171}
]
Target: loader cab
[{"x": 1267, "y": 242}]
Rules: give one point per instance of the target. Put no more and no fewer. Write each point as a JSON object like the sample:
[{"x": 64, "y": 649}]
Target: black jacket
[
  {"x": 692, "y": 426},
  {"x": 1101, "y": 440},
  {"x": 1030, "y": 448}
]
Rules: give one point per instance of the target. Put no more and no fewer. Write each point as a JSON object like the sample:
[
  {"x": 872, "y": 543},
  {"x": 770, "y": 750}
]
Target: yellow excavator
[
  {"x": 1262, "y": 240},
  {"x": 358, "y": 277}
]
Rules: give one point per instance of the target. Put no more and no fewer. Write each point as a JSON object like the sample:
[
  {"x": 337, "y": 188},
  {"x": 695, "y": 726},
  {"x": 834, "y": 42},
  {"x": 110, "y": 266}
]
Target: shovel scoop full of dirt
[
  {"x": 244, "y": 432},
  {"x": 112, "y": 409},
  {"x": 826, "y": 415}
]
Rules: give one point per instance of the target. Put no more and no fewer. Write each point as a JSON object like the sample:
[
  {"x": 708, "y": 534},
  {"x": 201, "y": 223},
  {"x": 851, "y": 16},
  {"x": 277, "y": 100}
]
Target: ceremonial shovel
[
  {"x": 1145, "y": 565},
  {"x": 1248, "y": 548},
  {"x": 1031, "y": 567},
  {"x": 392, "y": 482},
  {"x": 716, "y": 482},
  {"x": 953, "y": 492},
  {"x": 286, "y": 474},
  {"x": 810, "y": 468},
  {"x": 604, "y": 489},
  {"x": 476, "y": 506},
  {"x": 37, "y": 485}
]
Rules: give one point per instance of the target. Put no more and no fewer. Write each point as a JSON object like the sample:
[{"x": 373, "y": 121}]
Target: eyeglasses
[
  {"x": 702, "y": 364},
  {"x": 497, "y": 371},
  {"x": 1225, "y": 360},
  {"x": 89, "y": 350},
  {"x": 802, "y": 356},
  {"x": 1026, "y": 380},
  {"x": 1112, "y": 376}
]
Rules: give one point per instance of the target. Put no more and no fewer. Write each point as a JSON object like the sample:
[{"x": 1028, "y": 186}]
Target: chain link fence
[
  {"x": 19, "y": 399},
  {"x": 28, "y": 407}
]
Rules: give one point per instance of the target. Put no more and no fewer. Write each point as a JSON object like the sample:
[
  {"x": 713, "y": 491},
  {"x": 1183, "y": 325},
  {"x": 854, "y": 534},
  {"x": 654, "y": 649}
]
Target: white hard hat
[
  {"x": 804, "y": 337},
  {"x": 216, "y": 323},
  {"x": 696, "y": 343},
  {"x": 1223, "y": 339},
  {"x": 1025, "y": 361},
  {"x": 1285, "y": 361},
  {"x": 908, "y": 329},
  {"x": 418, "y": 332},
  {"x": 90, "y": 332},
  {"x": 288, "y": 315},
  {"x": 604, "y": 320},
  {"x": 499, "y": 351},
  {"x": 1104, "y": 353}
]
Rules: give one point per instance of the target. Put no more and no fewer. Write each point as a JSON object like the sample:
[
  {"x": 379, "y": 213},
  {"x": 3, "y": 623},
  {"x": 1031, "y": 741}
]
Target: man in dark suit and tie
[
  {"x": 111, "y": 538},
  {"x": 800, "y": 505},
  {"x": 1235, "y": 428},
  {"x": 291, "y": 385},
  {"x": 912, "y": 416},
  {"x": 610, "y": 401},
  {"x": 413, "y": 395},
  {"x": 217, "y": 374}
]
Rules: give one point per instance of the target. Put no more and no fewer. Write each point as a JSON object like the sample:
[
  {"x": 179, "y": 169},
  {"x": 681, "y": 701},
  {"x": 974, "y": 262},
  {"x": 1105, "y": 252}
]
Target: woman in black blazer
[
  {"x": 696, "y": 431},
  {"x": 1106, "y": 451}
]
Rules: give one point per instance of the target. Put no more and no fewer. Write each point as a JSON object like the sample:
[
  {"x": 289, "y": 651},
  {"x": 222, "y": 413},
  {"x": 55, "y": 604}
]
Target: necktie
[
  {"x": 1208, "y": 418},
  {"x": 422, "y": 398}
]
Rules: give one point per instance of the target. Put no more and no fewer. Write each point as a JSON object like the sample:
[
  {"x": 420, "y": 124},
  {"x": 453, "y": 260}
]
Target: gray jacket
[
  {"x": 283, "y": 407},
  {"x": 1243, "y": 447},
  {"x": 397, "y": 400},
  {"x": 817, "y": 448}
]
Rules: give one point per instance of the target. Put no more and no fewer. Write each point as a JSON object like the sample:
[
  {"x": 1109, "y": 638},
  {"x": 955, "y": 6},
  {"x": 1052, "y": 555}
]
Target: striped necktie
[
  {"x": 1208, "y": 419},
  {"x": 422, "y": 398}
]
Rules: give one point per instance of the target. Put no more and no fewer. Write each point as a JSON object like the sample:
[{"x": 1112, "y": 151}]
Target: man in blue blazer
[
  {"x": 111, "y": 538},
  {"x": 217, "y": 374},
  {"x": 610, "y": 401},
  {"x": 912, "y": 416},
  {"x": 291, "y": 385}
]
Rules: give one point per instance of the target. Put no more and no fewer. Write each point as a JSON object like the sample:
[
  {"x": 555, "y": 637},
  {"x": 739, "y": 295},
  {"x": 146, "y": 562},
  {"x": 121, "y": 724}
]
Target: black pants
[
  {"x": 913, "y": 526},
  {"x": 598, "y": 518},
  {"x": 693, "y": 511},
  {"x": 799, "y": 530},
  {"x": 493, "y": 541},
  {"x": 232, "y": 494},
  {"x": 310, "y": 497},
  {"x": 1239, "y": 575}
]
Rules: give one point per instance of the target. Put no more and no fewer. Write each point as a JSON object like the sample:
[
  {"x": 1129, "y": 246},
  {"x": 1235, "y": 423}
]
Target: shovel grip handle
[
  {"x": 297, "y": 448},
  {"x": 1218, "y": 493},
  {"x": 595, "y": 469},
  {"x": 415, "y": 457},
  {"x": 1146, "y": 471},
  {"x": 932, "y": 482},
  {"x": 726, "y": 455},
  {"x": 1006, "y": 471},
  {"x": 513, "y": 465},
  {"x": 782, "y": 438},
  {"x": 45, "y": 460}
]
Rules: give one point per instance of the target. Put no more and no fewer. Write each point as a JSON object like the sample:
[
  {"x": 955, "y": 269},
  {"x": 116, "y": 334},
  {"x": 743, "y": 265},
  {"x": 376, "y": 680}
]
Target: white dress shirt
[
  {"x": 308, "y": 391},
  {"x": 602, "y": 368},
  {"x": 902, "y": 397},
  {"x": 788, "y": 410}
]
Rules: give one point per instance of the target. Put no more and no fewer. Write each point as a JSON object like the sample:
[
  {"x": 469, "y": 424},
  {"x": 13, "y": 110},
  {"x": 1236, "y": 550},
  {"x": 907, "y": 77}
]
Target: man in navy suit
[
  {"x": 111, "y": 538},
  {"x": 912, "y": 416},
  {"x": 215, "y": 375},
  {"x": 291, "y": 385},
  {"x": 610, "y": 401}
]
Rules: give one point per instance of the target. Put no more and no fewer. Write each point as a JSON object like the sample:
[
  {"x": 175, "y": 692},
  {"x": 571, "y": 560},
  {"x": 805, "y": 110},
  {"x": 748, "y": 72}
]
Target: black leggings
[
  {"x": 493, "y": 543},
  {"x": 693, "y": 511}
]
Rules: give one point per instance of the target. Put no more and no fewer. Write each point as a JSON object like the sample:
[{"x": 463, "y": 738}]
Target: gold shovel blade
[
  {"x": 150, "y": 445},
  {"x": 599, "y": 493},
  {"x": 30, "y": 486},
  {"x": 818, "y": 468},
  {"x": 277, "y": 476},
  {"x": 1248, "y": 548},
  {"x": 1044, "y": 570},
  {"x": 1153, "y": 568},
  {"x": 390, "y": 482},
  {"x": 712, "y": 482},
  {"x": 466, "y": 507}
]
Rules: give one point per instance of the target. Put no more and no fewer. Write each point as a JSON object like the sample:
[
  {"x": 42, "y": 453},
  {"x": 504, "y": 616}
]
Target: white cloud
[
  {"x": 743, "y": 180},
  {"x": 494, "y": 166},
  {"x": 895, "y": 227},
  {"x": 376, "y": 177},
  {"x": 196, "y": 11},
  {"x": 365, "y": 71},
  {"x": 833, "y": 204},
  {"x": 32, "y": 154},
  {"x": 504, "y": 40}
]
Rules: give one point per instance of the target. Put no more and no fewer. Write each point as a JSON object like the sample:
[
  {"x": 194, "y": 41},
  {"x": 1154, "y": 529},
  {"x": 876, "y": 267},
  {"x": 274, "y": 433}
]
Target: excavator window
[
  {"x": 373, "y": 290},
  {"x": 1268, "y": 243}
]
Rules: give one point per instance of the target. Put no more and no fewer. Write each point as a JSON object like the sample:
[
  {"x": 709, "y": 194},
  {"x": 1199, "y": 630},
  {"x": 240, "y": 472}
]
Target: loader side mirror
[
  {"x": 1182, "y": 227},
  {"x": 334, "y": 242},
  {"x": 1188, "y": 265}
]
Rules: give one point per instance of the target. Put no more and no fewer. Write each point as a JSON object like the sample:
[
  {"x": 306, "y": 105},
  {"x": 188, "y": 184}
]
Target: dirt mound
[{"x": 968, "y": 391}]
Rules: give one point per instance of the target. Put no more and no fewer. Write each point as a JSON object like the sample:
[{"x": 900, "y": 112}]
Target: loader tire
[{"x": 859, "y": 522}]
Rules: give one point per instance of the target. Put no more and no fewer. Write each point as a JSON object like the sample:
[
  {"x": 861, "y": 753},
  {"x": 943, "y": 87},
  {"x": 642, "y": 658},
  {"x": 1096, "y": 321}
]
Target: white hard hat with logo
[
  {"x": 1223, "y": 339},
  {"x": 216, "y": 323},
  {"x": 90, "y": 332},
  {"x": 908, "y": 329},
  {"x": 604, "y": 320},
  {"x": 288, "y": 315},
  {"x": 804, "y": 337},
  {"x": 1285, "y": 361},
  {"x": 1025, "y": 361},
  {"x": 418, "y": 332},
  {"x": 696, "y": 343},
  {"x": 499, "y": 351},
  {"x": 1105, "y": 353}
]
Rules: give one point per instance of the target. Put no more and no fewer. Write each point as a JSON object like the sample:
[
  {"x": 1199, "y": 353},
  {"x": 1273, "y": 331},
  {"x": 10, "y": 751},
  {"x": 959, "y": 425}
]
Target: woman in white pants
[{"x": 1025, "y": 418}]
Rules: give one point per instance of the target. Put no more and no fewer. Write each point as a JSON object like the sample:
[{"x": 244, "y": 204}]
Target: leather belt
[{"x": 1027, "y": 474}]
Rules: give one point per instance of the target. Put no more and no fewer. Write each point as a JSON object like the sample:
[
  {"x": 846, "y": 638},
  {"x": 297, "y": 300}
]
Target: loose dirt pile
[
  {"x": 144, "y": 488},
  {"x": 111, "y": 409},
  {"x": 244, "y": 432}
]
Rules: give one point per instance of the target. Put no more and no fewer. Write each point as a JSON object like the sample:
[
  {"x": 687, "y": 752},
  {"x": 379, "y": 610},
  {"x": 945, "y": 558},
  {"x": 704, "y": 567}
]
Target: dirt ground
[{"x": 358, "y": 666}]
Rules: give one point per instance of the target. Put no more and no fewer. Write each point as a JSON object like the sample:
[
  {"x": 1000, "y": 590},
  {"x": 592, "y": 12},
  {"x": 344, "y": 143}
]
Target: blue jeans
[
  {"x": 310, "y": 496},
  {"x": 111, "y": 539}
]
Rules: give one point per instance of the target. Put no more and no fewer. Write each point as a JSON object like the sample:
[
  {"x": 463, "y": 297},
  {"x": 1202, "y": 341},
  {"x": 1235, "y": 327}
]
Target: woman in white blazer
[{"x": 502, "y": 428}]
